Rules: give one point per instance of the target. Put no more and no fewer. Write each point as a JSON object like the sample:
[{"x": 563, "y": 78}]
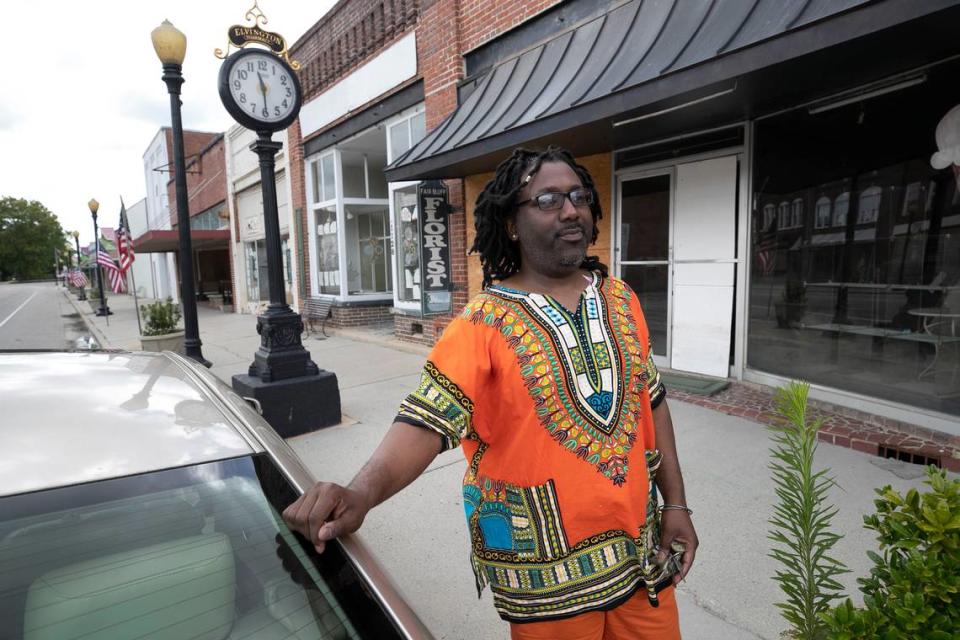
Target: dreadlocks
[{"x": 499, "y": 257}]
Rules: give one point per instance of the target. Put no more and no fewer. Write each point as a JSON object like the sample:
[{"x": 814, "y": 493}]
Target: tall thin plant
[{"x": 801, "y": 518}]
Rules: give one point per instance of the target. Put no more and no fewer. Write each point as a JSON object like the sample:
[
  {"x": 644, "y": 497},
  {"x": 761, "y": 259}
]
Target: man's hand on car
[{"x": 326, "y": 511}]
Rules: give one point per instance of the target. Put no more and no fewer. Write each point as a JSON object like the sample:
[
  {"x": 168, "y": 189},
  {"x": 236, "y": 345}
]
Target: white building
[
  {"x": 157, "y": 167},
  {"x": 245, "y": 202},
  {"x": 143, "y": 272}
]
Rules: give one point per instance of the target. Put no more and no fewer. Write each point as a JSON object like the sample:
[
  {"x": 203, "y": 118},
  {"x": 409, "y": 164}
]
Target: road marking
[{"x": 5, "y": 320}]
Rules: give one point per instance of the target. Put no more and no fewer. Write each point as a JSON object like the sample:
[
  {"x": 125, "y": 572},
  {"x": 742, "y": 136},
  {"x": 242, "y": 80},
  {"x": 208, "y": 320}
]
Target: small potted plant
[{"x": 160, "y": 331}]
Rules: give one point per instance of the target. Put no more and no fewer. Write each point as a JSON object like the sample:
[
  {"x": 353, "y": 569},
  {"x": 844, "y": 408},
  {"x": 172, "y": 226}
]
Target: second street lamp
[
  {"x": 76, "y": 239},
  {"x": 171, "y": 47},
  {"x": 104, "y": 310}
]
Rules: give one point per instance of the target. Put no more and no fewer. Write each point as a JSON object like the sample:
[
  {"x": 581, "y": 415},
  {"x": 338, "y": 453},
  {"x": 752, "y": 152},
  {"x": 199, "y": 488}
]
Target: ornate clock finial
[
  {"x": 256, "y": 15},
  {"x": 240, "y": 36}
]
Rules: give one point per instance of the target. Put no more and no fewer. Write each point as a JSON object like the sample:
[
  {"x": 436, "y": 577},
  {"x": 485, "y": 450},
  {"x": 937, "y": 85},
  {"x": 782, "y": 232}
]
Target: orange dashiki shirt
[{"x": 553, "y": 411}]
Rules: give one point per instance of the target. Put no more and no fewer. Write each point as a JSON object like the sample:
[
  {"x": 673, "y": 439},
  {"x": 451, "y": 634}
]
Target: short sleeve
[
  {"x": 458, "y": 365},
  {"x": 654, "y": 383}
]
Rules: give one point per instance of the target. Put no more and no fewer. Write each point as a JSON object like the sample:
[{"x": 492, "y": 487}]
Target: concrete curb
[{"x": 91, "y": 326}]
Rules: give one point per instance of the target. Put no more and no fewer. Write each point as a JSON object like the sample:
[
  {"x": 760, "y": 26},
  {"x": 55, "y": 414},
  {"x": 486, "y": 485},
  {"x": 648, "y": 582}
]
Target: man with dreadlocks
[{"x": 547, "y": 381}]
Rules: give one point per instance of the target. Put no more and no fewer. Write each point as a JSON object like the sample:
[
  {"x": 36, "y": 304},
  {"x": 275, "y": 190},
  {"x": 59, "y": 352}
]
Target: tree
[{"x": 29, "y": 236}]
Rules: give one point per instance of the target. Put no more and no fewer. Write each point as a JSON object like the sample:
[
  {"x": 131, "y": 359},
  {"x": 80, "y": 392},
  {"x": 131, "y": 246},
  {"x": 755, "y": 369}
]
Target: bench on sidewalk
[{"x": 317, "y": 309}]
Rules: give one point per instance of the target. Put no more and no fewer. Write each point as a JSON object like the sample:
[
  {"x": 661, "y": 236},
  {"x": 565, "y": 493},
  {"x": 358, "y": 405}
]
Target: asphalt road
[{"x": 37, "y": 316}]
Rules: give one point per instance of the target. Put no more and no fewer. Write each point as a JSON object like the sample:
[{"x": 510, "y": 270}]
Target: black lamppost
[
  {"x": 76, "y": 239},
  {"x": 171, "y": 47},
  {"x": 104, "y": 310}
]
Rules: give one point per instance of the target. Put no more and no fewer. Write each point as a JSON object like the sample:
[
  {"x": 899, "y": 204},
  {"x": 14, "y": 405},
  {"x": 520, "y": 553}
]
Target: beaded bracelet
[{"x": 676, "y": 507}]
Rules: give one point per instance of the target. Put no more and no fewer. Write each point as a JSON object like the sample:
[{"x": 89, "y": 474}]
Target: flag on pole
[
  {"x": 113, "y": 271},
  {"x": 124, "y": 241},
  {"x": 77, "y": 278}
]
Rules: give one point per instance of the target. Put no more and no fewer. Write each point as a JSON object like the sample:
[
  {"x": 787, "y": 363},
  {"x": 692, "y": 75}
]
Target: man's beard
[{"x": 572, "y": 260}]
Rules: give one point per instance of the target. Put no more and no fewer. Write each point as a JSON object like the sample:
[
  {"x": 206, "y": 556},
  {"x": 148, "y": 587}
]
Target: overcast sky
[{"x": 82, "y": 95}]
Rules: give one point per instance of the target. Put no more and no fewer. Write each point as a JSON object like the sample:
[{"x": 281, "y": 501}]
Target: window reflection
[
  {"x": 864, "y": 294},
  {"x": 408, "y": 247}
]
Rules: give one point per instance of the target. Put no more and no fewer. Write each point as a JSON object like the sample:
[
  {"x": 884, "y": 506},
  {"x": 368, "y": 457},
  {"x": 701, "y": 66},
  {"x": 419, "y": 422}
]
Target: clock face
[{"x": 262, "y": 92}]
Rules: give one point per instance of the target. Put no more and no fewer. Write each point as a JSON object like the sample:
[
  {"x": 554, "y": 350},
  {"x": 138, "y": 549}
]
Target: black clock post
[{"x": 295, "y": 395}]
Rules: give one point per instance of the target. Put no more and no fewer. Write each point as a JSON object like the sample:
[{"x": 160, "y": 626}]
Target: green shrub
[
  {"x": 801, "y": 518},
  {"x": 913, "y": 591},
  {"x": 160, "y": 317}
]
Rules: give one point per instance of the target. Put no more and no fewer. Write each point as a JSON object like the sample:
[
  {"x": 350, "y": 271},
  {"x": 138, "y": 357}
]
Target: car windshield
[{"x": 194, "y": 552}]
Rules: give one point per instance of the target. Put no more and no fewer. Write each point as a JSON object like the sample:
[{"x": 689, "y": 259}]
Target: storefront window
[
  {"x": 406, "y": 223},
  {"x": 211, "y": 219},
  {"x": 405, "y": 133},
  {"x": 253, "y": 272},
  {"x": 258, "y": 284},
  {"x": 328, "y": 251},
  {"x": 865, "y": 297},
  {"x": 323, "y": 178},
  {"x": 368, "y": 249}
]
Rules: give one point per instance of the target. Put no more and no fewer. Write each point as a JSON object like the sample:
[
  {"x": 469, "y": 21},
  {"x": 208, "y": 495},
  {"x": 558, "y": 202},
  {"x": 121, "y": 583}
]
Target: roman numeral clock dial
[{"x": 259, "y": 90}]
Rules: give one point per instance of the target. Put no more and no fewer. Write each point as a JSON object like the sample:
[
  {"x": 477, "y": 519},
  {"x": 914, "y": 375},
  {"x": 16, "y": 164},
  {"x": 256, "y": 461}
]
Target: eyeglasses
[{"x": 553, "y": 200}]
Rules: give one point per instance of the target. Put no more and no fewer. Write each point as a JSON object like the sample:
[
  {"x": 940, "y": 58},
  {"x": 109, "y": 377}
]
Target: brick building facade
[
  {"x": 205, "y": 166},
  {"x": 206, "y": 175},
  {"x": 350, "y": 38}
]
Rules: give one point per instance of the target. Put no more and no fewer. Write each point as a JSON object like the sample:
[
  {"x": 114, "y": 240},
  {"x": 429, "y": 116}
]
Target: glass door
[{"x": 643, "y": 250}]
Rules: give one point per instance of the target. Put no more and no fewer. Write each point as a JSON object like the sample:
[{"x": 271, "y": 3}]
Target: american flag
[
  {"x": 766, "y": 255},
  {"x": 113, "y": 271},
  {"x": 77, "y": 278},
  {"x": 124, "y": 241}
]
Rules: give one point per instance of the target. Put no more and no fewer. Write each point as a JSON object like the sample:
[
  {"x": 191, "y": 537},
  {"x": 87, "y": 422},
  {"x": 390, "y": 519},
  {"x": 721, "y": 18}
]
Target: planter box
[{"x": 166, "y": 342}]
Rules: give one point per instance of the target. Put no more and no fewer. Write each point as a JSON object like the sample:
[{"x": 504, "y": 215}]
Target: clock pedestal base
[
  {"x": 295, "y": 395},
  {"x": 296, "y": 405}
]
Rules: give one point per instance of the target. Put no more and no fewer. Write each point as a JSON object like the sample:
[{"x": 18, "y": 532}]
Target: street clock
[{"x": 260, "y": 90}]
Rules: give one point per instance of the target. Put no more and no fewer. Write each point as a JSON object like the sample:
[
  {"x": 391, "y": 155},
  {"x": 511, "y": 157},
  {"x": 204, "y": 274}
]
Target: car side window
[{"x": 194, "y": 552}]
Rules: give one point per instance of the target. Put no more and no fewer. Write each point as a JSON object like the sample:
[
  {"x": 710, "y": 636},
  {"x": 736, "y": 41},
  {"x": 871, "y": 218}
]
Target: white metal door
[{"x": 703, "y": 260}]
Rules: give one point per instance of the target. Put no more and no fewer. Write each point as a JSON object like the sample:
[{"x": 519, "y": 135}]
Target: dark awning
[
  {"x": 642, "y": 57},
  {"x": 166, "y": 240}
]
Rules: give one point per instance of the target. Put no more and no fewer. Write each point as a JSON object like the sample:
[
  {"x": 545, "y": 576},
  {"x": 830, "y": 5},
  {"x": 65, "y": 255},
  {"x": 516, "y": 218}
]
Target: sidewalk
[{"x": 420, "y": 536}]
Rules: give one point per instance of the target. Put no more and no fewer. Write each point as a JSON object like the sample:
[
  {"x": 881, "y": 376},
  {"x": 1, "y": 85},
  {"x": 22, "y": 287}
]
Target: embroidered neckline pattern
[{"x": 584, "y": 371}]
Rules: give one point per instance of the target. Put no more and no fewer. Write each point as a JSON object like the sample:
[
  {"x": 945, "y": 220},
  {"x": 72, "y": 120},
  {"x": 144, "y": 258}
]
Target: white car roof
[{"x": 69, "y": 418}]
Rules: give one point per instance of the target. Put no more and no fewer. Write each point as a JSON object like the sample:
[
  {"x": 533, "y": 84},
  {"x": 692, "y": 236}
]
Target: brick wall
[
  {"x": 347, "y": 316},
  {"x": 346, "y": 36},
  {"x": 298, "y": 203},
  {"x": 206, "y": 173},
  {"x": 483, "y": 20},
  {"x": 438, "y": 58},
  {"x": 600, "y": 169}
]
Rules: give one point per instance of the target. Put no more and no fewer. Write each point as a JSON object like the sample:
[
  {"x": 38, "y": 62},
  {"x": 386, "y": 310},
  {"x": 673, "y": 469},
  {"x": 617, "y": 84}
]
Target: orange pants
[{"x": 635, "y": 619}]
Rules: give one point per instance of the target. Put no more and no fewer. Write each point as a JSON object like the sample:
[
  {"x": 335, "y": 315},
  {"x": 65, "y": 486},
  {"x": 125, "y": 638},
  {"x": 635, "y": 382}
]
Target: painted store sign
[{"x": 434, "y": 202}]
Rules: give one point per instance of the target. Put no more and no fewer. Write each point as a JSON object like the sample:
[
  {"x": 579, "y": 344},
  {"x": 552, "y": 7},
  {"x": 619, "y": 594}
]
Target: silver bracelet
[{"x": 676, "y": 507}]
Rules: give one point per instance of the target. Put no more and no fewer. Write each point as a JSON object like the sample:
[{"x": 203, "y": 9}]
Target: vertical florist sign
[{"x": 434, "y": 203}]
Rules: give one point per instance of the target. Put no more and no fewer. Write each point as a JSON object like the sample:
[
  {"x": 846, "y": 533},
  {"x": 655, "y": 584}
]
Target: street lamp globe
[
  {"x": 75, "y": 234},
  {"x": 94, "y": 207},
  {"x": 169, "y": 43}
]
